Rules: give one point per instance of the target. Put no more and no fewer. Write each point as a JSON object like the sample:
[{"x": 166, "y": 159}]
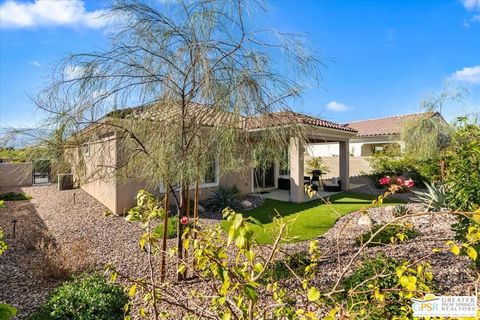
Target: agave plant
[
  {"x": 400, "y": 210},
  {"x": 435, "y": 199},
  {"x": 224, "y": 197}
]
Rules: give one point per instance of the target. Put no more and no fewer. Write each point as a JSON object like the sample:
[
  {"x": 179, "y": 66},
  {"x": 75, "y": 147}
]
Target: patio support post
[
  {"x": 296, "y": 170},
  {"x": 344, "y": 164}
]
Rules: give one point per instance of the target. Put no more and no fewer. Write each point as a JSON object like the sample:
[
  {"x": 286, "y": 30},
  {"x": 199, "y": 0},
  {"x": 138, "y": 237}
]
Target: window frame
[
  {"x": 216, "y": 183},
  {"x": 201, "y": 185}
]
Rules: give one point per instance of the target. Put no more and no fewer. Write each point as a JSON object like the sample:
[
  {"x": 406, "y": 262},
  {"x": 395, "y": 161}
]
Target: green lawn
[{"x": 304, "y": 220}]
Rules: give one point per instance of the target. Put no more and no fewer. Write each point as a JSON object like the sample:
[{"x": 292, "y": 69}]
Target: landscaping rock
[
  {"x": 365, "y": 220},
  {"x": 89, "y": 240},
  {"x": 246, "y": 204}
]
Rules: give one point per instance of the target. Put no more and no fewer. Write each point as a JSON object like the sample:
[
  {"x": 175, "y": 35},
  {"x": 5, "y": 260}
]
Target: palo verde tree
[{"x": 199, "y": 73}]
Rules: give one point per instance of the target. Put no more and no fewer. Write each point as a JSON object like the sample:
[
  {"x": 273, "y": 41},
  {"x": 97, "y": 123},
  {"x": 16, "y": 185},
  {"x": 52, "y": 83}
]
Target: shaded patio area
[{"x": 284, "y": 195}]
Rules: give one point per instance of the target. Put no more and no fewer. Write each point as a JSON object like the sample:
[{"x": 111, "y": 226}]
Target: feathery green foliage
[{"x": 426, "y": 136}]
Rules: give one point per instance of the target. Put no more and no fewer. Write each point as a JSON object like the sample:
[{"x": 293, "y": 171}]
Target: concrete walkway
[{"x": 284, "y": 195}]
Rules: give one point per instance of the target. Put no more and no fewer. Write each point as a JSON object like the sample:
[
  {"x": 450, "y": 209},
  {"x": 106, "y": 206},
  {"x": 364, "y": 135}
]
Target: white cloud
[
  {"x": 35, "y": 63},
  {"x": 471, "y": 4},
  {"x": 72, "y": 72},
  {"x": 337, "y": 106},
  {"x": 41, "y": 13},
  {"x": 467, "y": 75}
]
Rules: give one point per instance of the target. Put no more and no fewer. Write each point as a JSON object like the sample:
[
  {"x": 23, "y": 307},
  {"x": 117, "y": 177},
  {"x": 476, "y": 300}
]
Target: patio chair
[
  {"x": 332, "y": 186},
  {"x": 316, "y": 179}
]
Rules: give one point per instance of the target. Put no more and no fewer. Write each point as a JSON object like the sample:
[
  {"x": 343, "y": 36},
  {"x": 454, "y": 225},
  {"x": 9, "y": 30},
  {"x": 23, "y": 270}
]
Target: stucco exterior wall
[
  {"x": 104, "y": 155},
  {"x": 358, "y": 166},
  {"x": 242, "y": 180},
  {"x": 128, "y": 189},
  {"x": 359, "y": 147},
  {"x": 97, "y": 177},
  {"x": 15, "y": 174}
]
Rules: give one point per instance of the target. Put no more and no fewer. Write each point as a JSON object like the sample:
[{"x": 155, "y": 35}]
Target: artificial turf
[{"x": 306, "y": 220}]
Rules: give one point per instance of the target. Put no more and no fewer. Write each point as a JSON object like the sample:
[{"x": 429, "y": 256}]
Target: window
[
  {"x": 211, "y": 173},
  {"x": 210, "y": 178}
]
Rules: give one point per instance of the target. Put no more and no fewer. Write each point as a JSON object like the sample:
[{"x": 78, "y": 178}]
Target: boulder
[
  {"x": 246, "y": 204},
  {"x": 365, "y": 220}
]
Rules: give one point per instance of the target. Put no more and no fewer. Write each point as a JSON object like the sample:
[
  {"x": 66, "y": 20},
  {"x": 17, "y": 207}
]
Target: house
[
  {"x": 103, "y": 154},
  {"x": 373, "y": 135}
]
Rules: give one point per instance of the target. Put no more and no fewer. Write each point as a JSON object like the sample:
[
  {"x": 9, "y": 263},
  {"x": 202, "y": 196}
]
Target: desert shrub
[
  {"x": 297, "y": 262},
  {"x": 15, "y": 196},
  {"x": 463, "y": 168},
  {"x": 60, "y": 262},
  {"x": 316, "y": 163},
  {"x": 426, "y": 136},
  {"x": 88, "y": 297},
  {"x": 172, "y": 225},
  {"x": 435, "y": 198},
  {"x": 419, "y": 171},
  {"x": 7, "y": 311},
  {"x": 400, "y": 210},
  {"x": 388, "y": 235},
  {"x": 21, "y": 155},
  {"x": 428, "y": 170},
  {"x": 374, "y": 288},
  {"x": 224, "y": 197},
  {"x": 3, "y": 244},
  {"x": 463, "y": 177}
]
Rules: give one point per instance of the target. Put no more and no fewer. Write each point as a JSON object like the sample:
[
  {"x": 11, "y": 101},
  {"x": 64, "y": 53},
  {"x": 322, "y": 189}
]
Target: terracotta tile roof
[
  {"x": 385, "y": 126},
  {"x": 286, "y": 117},
  {"x": 203, "y": 115},
  {"x": 213, "y": 117}
]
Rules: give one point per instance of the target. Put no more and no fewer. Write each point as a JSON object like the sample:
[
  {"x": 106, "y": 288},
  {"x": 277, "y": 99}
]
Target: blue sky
[{"x": 383, "y": 57}]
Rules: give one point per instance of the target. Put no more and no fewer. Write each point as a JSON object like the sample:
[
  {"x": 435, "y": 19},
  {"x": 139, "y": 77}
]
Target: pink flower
[
  {"x": 384, "y": 181},
  {"x": 184, "y": 220},
  {"x": 399, "y": 181},
  {"x": 409, "y": 183}
]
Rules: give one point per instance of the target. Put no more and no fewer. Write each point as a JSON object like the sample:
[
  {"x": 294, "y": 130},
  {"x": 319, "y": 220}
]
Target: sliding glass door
[{"x": 264, "y": 177}]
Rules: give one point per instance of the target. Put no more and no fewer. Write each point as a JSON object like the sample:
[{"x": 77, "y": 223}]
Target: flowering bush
[
  {"x": 419, "y": 170},
  {"x": 397, "y": 184}
]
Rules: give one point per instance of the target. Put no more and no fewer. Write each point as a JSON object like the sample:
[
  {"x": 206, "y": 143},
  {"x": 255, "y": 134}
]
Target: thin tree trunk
[
  {"x": 152, "y": 277},
  {"x": 195, "y": 207},
  {"x": 181, "y": 214},
  {"x": 187, "y": 213},
  {"x": 195, "y": 216},
  {"x": 188, "y": 203},
  {"x": 164, "y": 240}
]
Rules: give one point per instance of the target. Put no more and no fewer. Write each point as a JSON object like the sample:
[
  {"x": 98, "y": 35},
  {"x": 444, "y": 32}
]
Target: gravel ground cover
[
  {"x": 52, "y": 230},
  {"x": 338, "y": 246}
]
